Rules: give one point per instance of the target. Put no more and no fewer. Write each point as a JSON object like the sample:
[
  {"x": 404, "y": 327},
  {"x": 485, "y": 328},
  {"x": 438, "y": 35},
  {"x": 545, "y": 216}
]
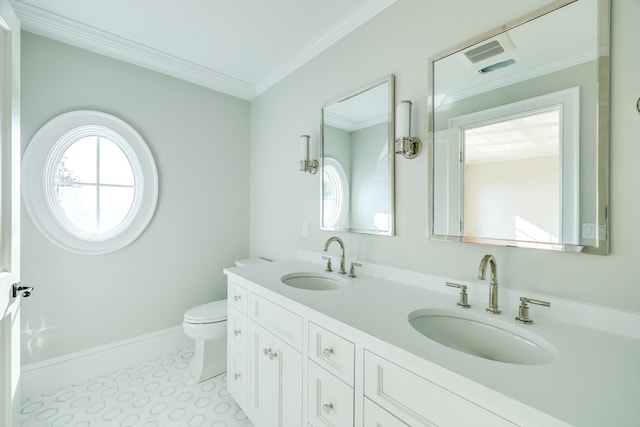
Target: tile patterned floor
[{"x": 158, "y": 393}]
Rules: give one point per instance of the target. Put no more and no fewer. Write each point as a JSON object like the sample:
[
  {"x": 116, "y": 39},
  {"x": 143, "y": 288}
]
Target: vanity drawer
[
  {"x": 281, "y": 322},
  {"x": 237, "y": 297},
  {"x": 237, "y": 331},
  {"x": 375, "y": 416},
  {"x": 238, "y": 379},
  {"x": 332, "y": 352},
  {"x": 419, "y": 401},
  {"x": 330, "y": 400}
]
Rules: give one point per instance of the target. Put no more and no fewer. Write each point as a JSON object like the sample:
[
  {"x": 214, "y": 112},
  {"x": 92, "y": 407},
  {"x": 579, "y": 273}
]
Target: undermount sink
[
  {"x": 483, "y": 337},
  {"x": 313, "y": 281}
]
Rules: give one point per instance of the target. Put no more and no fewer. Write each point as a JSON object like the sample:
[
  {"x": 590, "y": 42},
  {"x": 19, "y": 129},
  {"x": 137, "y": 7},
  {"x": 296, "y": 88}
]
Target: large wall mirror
[
  {"x": 519, "y": 126},
  {"x": 358, "y": 162}
]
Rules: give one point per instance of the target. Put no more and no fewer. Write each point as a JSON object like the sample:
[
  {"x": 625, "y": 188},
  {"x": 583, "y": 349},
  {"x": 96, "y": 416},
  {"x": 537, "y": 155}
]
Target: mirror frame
[
  {"x": 390, "y": 79},
  {"x": 601, "y": 169}
]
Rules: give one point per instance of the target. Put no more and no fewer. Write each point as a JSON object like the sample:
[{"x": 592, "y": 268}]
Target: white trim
[
  {"x": 606, "y": 319},
  {"x": 340, "y": 212},
  {"x": 50, "y": 375},
  {"x": 47, "y": 24}
]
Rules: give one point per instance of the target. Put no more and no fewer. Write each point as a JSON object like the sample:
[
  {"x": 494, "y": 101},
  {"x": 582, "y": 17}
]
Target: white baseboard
[{"x": 50, "y": 375}]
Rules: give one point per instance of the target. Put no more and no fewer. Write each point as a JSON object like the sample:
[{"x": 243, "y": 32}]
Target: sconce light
[
  {"x": 307, "y": 150},
  {"x": 406, "y": 145}
]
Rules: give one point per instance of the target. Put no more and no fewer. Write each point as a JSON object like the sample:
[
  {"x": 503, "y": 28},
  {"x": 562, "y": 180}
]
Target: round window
[{"x": 89, "y": 182}]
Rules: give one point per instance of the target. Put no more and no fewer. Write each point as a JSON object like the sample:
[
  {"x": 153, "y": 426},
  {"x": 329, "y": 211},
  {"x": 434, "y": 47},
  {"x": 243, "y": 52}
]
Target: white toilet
[{"x": 207, "y": 325}]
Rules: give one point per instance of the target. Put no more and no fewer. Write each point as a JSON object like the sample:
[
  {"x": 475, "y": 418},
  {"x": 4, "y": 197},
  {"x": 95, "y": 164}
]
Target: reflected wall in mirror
[
  {"x": 358, "y": 161},
  {"x": 519, "y": 122}
]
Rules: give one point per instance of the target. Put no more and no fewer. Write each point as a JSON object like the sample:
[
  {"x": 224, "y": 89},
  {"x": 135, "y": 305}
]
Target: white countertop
[{"x": 594, "y": 382}]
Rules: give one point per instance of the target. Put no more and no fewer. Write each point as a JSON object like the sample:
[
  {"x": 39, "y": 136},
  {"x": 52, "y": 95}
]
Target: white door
[
  {"x": 447, "y": 190},
  {"x": 9, "y": 216}
]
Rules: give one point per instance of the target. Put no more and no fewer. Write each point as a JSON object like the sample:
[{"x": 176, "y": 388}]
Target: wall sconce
[
  {"x": 406, "y": 145},
  {"x": 307, "y": 150}
]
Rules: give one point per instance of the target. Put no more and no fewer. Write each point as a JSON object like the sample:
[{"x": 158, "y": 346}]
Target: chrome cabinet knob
[
  {"x": 327, "y": 352},
  {"x": 327, "y": 408},
  {"x": 237, "y": 297},
  {"x": 270, "y": 353},
  {"x": 237, "y": 332}
]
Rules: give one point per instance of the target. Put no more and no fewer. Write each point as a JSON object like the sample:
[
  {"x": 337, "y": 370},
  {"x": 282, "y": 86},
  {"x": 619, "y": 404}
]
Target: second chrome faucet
[{"x": 493, "y": 283}]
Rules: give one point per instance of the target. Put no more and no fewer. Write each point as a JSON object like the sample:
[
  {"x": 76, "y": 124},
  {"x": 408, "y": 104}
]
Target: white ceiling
[{"x": 239, "y": 47}]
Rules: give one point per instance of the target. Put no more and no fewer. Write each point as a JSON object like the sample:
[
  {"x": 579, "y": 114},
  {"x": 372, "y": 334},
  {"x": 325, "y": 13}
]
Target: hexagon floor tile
[{"x": 158, "y": 393}]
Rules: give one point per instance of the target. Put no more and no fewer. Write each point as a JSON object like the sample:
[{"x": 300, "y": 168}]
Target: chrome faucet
[
  {"x": 493, "y": 283},
  {"x": 341, "y": 243}
]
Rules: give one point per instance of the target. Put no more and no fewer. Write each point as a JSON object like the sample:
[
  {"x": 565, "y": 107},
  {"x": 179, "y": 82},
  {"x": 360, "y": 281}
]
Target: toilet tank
[{"x": 249, "y": 261}]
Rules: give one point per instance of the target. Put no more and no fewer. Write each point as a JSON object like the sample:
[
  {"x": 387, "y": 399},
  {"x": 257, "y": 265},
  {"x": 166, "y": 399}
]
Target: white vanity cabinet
[{"x": 293, "y": 366}]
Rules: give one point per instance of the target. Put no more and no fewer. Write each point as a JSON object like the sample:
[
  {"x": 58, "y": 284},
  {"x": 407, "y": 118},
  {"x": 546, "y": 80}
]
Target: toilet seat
[{"x": 211, "y": 312}]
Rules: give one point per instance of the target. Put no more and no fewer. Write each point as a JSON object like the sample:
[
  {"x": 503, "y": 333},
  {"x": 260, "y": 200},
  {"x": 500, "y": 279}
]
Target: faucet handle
[
  {"x": 523, "y": 310},
  {"x": 464, "y": 296},
  {"x": 352, "y": 269},
  {"x": 329, "y": 269}
]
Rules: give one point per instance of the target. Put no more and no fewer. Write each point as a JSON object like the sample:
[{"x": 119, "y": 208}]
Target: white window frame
[
  {"x": 40, "y": 163},
  {"x": 338, "y": 218}
]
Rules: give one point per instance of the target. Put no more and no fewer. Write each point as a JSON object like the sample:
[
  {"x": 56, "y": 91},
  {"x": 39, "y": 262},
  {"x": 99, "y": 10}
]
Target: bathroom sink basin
[
  {"x": 313, "y": 281},
  {"x": 483, "y": 337}
]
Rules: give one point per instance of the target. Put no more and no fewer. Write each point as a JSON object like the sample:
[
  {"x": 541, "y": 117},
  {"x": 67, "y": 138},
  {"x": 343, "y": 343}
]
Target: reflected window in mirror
[
  {"x": 496, "y": 116},
  {"x": 335, "y": 195},
  {"x": 358, "y": 162}
]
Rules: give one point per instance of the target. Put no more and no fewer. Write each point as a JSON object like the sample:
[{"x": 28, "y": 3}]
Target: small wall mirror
[
  {"x": 519, "y": 122},
  {"x": 358, "y": 161}
]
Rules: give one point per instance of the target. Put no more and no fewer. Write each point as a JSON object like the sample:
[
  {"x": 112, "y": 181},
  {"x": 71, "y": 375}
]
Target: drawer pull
[
  {"x": 236, "y": 376},
  {"x": 237, "y": 332},
  {"x": 237, "y": 297},
  {"x": 270, "y": 353},
  {"x": 327, "y": 352},
  {"x": 327, "y": 408}
]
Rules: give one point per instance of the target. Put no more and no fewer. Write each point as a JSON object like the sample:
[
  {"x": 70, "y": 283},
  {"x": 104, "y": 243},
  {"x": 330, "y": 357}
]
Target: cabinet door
[
  {"x": 276, "y": 381},
  {"x": 330, "y": 399}
]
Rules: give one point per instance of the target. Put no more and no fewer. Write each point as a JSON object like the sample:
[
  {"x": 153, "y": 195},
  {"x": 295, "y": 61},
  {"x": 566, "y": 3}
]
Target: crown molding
[
  {"x": 50, "y": 25},
  {"x": 44, "y": 23}
]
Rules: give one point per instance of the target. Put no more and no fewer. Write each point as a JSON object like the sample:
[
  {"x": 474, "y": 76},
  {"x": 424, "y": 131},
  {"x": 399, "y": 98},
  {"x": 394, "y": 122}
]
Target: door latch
[{"x": 25, "y": 291}]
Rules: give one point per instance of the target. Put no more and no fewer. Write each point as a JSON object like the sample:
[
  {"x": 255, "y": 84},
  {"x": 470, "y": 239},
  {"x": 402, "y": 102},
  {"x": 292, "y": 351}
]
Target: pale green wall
[
  {"x": 200, "y": 141},
  {"x": 370, "y": 175},
  {"x": 400, "y": 40}
]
